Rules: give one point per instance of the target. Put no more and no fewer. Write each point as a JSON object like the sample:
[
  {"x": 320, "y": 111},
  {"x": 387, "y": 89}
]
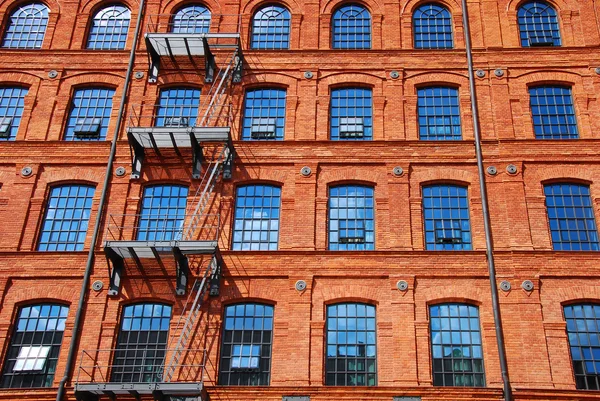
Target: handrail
[
  {"x": 203, "y": 24},
  {"x": 151, "y": 115}
]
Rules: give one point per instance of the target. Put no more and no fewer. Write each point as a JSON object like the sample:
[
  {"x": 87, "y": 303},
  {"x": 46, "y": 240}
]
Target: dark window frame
[
  {"x": 584, "y": 344},
  {"x": 420, "y": 21}
]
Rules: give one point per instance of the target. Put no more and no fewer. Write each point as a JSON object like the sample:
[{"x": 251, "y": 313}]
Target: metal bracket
[
  {"x": 238, "y": 68},
  {"x": 228, "y": 163},
  {"x": 154, "y": 61},
  {"x": 197, "y": 157},
  {"x": 215, "y": 278},
  {"x": 183, "y": 270},
  {"x": 137, "y": 156},
  {"x": 118, "y": 266},
  {"x": 210, "y": 66}
]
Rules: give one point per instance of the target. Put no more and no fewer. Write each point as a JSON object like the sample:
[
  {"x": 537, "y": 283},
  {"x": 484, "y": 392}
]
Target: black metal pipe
[
  {"x": 484, "y": 207},
  {"x": 109, "y": 165}
]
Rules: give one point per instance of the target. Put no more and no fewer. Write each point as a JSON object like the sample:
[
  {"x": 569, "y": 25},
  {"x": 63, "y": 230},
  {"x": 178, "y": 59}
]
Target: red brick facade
[{"x": 537, "y": 348}]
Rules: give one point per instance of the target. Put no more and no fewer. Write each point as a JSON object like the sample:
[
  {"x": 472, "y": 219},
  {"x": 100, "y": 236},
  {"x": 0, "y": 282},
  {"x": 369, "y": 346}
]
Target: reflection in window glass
[
  {"x": 90, "y": 114},
  {"x": 538, "y": 24},
  {"x": 351, "y": 28},
  {"x": 163, "y": 213},
  {"x": 446, "y": 217},
  {"x": 191, "y": 19},
  {"x": 26, "y": 27},
  {"x": 553, "y": 113},
  {"x": 351, "y": 218},
  {"x": 433, "y": 27},
  {"x": 12, "y": 102},
  {"x": 109, "y": 28},
  {"x": 583, "y": 329},
  {"x": 264, "y": 114},
  {"x": 271, "y": 28},
  {"x": 439, "y": 114},
  {"x": 178, "y": 107},
  {"x": 351, "y": 114},
  {"x": 256, "y": 225}
]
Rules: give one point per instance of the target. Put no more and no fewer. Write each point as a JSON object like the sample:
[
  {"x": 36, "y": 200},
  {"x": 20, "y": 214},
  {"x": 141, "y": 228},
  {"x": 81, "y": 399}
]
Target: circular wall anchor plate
[
  {"x": 305, "y": 171},
  {"x": 97, "y": 285},
  {"x": 511, "y": 169},
  {"x": 308, "y": 74},
  {"x": 52, "y": 74},
  {"x": 491, "y": 170},
  {"x": 398, "y": 171},
  {"x": 394, "y": 74},
  {"x": 120, "y": 171},
  {"x": 505, "y": 286},
  {"x": 300, "y": 285},
  {"x": 402, "y": 285},
  {"x": 499, "y": 72},
  {"x": 139, "y": 75},
  {"x": 527, "y": 285},
  {"x": 597, "y": 70},
  {"x": 480, "y": 73},
  {"x": 26, "y": 171}
]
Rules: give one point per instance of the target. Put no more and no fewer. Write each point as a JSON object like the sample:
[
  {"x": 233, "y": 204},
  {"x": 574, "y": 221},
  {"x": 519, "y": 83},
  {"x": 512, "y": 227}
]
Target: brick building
[{"x": 282, "y": 199}]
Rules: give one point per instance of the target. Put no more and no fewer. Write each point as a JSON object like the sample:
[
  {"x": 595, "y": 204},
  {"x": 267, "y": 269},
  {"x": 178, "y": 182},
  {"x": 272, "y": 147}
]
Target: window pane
[
  {"x": 351, "y": 115},
  {"x": 34, "y": 347},
  {"x": 351, "y": 28},
  {"x": 439, "y": 114},
  {"x": 538, "y": 24},
  {"x": 12, "y": 101},
  {"x": 351, "y": 218},
  {"x": 256, "y": 225},
  {"x": 109, "y": 28},
  {"x": 163, "y": 213},
  {"x": 553, "y": 113},
  {"x": 446, "y": 218},
  {"x": 583, "y": 322},
  {"x": 571, "y": 217},
  {"x": 246, "y": 350},
  {"x": 90, "y": 114},
  {"x": 432, "y": 26},
  {"x": 191, "y": 19},
  {"x": 271, "y": 28},
  {"x": 178, "y": 107},
  {"x": 26, "y": 27},
  {"x": 264, "y": 114}
]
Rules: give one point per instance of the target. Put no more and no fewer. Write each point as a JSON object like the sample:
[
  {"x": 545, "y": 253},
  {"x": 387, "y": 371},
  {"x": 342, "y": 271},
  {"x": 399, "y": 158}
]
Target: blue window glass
[
  {"x": 26, "y": 27},
  {"x": 351, "y": 28},
  {"x": 256, "y": 225},
  {"x": 351, "y": 114},
  {"x": 191, "y": 19},
  {"x": 433, "y": 27},
  {"x": 271, "y": 28},
  {"x": 34, "y": 346},
  {"x": 67, "y": 216},
  {"x": 446, "y": 217},
  {"x": 90, "y": 114},
  {"x": 163, "y": 213},
  {"x": 571, "y": 217},
  {"x": 141, "y": 344},
  {"x": 456, "y": 345},
  {"x": 178, "y": 107},
  {"x": 351, "y": 345},
  {"x": 583, "y": 330},
  {"x": 553, "y": 112},
  {"x": 109, "y": 28},
  {"x": 351, "y": 218},
  {"x": 538, "y": 24},
  {"x": 439, "y": 114},
  {"x": 264, "y": 114},
  {"x": 12, "y": 101},
  {"x": 246, "y": 350}
]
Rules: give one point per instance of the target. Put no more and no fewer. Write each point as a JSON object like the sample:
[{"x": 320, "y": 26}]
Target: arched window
[
  {"x": 457, "y": 355},
  {"x": 538, "y": 24},
  {"x": 191, "y": 19},
  {"x": 271, "y": 28},
  {"x": 264, "y": 114},
  {"x": 571, "y": 217},
  {"x": 67, "y": 216},
  {"x": 351, "y": 345},
  {"x": 446, "y": 218},
  {"x": 553, "y": 112},
  {"x": 432, "y": 24},
  {"x": 109, "y": 28},
  {"x": 351, "y": 114},
  {"x": 256, "y": 225},
  {"x": 34, "y": 346},
  {"x": 163, "y": 213},
  {"x": 439, "y": 114},
  {"x": 90, "y": 114},
  {"x": 141, "y": 344},
  {"x": 583, "y": 330},
  {"x": 177, "y": 107},
  {"x": 12, "y": 101},
  {"x": 351, "y": 218},
  {"x": 351, "y": 28},
  {"x": 246, "y": 350},
  {"x": 26, "y": 27}
]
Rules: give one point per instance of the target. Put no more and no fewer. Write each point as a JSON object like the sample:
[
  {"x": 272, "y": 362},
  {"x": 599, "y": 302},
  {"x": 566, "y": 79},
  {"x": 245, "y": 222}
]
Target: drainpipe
[
  {"x": 90, "y": 259},
  {"x": 484, "y": 207}
]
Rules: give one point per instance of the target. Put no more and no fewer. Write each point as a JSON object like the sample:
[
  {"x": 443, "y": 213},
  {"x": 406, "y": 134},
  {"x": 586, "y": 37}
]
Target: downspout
[
  {"x": 90, "y": 259},
  {"x": 484, "y": 207}
]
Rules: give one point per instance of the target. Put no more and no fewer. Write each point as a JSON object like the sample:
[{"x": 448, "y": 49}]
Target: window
[
  {"x": 351, "y": 114},
  {"x": 571, "y": 217},
  {"x": 141, "y": 344},
  {"x": 191, "y": 19},
  {"x": 583, "y": 329},
  {"x": 256, "y": 226},
  {"x": 553, "y": 112},
  {"x": 351, "y": 345},
  {"x": 66, "y": 221},
  {"x": 246, "y": 350},
  {"x": 433, "y": 27},
  {"x": 109, "y": 28},
  {"x": 351, "y": 220},
  {"x": 264, "y": 114},
  {"x": 26, "y": 27},
  {"x": 178, "y": 107},
  {"x": 439, "y": 114},
  {"x": 446, "y": 217},
  {"x": 163, "y": 213},
  {"x": 538, "y": 24},
  {"x": 456, "y": 345},
  {"x": 271, "y": 28},
  {"x": 12, "y": 101},
  {"x": 34, "y": 346},
  {"x": 90, "y": 114},
  {"x": 351, "y": 28}
]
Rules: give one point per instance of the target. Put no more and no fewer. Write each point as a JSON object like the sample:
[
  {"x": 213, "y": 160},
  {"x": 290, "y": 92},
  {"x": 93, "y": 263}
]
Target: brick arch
[
  {"x": 437, "y": 78},
  {"x": 343, "y": 176},
  {"x": 171, "y": 6},
  {"x": 252, "y": 6},
  {"x": 174, "y": 78},
  {"x": 246, "y": 300},
  {"x": 373, "y": 7},
  {"x": 469, "y": 294},
  {"x": 8, "y": 6},
  {"x": 564, "y": 173},
  {"x": 581, "y": 293},
  {"x": 35, "y": 294},
  {"x": 566, "y": 77},
  {"x": 20, "y": 78},
  {"x": 94, "y": 6},
  {"x": 65, "y": 177},
  {"x": 358, "y": 79},
  {"x": 87, "y": 78},
  {"x": 255, "y": 80},
  {"x": 433, "y": 176},
  {"x": 260, "y": 175},
  {"x": 513, "y": 5},
  {"x": 333, "y": 294},
  {"x": 452, "y": 5}
]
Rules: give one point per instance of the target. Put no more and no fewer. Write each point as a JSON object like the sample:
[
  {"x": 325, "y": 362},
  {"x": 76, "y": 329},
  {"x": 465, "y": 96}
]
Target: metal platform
[{"x": 158, "y": 390}]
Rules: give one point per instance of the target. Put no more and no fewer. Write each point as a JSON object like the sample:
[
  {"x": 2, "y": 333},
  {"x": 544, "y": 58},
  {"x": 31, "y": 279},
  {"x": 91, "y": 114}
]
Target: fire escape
[{"x": 180, "y": 375}]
